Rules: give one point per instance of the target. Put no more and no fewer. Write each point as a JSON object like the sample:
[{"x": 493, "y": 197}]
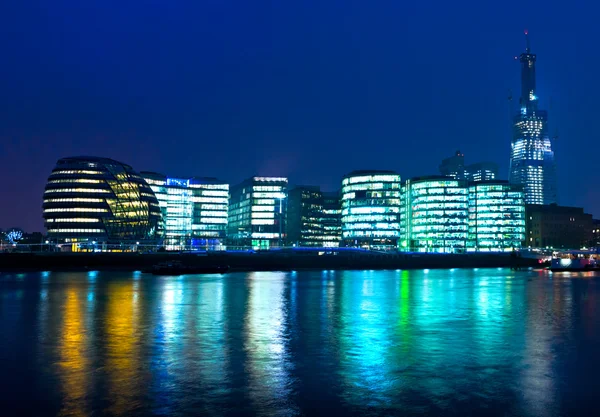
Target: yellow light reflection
[
  {"x": 122, "y": 336},
  {"x": 73, "y": 362}
]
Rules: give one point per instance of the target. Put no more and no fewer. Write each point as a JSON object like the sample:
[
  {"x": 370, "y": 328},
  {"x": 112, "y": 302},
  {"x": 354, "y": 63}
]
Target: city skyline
[{"x": 293, "y": 94}]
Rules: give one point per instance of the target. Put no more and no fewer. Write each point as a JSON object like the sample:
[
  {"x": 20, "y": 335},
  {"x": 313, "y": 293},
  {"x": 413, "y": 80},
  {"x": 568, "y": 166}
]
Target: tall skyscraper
[{"x": 532, "y": 159}]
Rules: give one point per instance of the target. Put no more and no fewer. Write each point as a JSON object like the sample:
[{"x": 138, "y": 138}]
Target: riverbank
[{"x": 267, "y": 261}]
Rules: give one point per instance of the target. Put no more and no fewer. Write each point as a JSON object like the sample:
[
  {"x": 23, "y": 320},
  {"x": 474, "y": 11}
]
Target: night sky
[{"x": 305, "y": 89}]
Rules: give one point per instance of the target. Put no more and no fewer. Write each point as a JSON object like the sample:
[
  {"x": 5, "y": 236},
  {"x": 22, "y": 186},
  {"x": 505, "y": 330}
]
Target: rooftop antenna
[{"x": 527, "y": 40}]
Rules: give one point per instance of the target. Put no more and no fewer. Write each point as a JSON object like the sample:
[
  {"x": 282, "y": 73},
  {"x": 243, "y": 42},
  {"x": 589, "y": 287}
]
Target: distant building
[
  {"x": 371, "y": 209},
  {"x": 314, "y": 217},
  {"x": 531, "y": 159},
  {"x": 482, "y": 171},
  {"x": 496, "y": 217},
  {"x": 557, "y": 227},
  {"x": 435, "y": 215},
  {"x": 194, "y": 211},
  {"x": 595, "y": 235},
  {"x": 99, "y": 200},
  {"x": 455, "y": 167},
  {"x": 257, "y": 213}
]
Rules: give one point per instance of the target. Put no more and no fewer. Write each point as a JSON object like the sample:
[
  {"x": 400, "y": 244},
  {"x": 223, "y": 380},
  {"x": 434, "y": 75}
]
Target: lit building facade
[
  {"x": 331, "y": 219},
  {"x": 257, "y": 213},
  {"x": 435, "y": 215},
  {"x": 532, "y": 160},
  {"x": 99, "y": 200},
  {"x": 496, "y": 217},
  {"x": 194, "y": 211},
  {"x": 313, "y": 217},
  {"x": 371, "y": 209}
]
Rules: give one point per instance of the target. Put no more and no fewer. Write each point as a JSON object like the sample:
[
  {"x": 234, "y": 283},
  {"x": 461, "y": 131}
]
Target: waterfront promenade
[{"x": 261, "y": 261}]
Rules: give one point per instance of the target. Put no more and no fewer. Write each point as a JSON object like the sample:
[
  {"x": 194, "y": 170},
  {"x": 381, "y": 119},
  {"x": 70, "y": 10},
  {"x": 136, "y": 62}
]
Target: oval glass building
[
  {"x": 371, "y": 209},
  {"x": 496, "y": 216},
  {"x": 99, "y": 200},
  {"x": 435, "y": 215}
]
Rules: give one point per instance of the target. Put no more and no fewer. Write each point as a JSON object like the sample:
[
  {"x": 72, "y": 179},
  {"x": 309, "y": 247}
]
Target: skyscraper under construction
[{"x": 532, "y": 159}]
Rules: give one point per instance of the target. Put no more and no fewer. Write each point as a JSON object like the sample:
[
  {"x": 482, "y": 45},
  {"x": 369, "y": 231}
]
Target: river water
[{"x": 452, "y": 342}]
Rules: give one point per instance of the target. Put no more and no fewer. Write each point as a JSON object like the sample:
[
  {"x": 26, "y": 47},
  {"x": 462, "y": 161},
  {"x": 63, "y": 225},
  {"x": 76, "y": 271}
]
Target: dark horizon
[{"x": 309, "y": 91}]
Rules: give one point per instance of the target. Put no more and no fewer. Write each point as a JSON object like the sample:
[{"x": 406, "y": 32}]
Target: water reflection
[
  {"x": 265, "y": 344},
  {"x": 455, "y": 342},
  {"x": 74, "y": 361},
  {"x": 366, "y": 339},
  {"x": 122, "y": 341}
]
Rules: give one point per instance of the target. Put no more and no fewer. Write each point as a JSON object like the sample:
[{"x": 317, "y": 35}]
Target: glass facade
[
  {"x": 371, "y": 209},
  {"x": 314, "y": 217},
  {"x": 99, "y": 200},
  {"x": 257, "y": 213},
  {"x": 532, "y": 164},
  {"x": 194, "y": 211},
  {"x": 496, "y": 217},
  {"x": 435, "y": 215}
]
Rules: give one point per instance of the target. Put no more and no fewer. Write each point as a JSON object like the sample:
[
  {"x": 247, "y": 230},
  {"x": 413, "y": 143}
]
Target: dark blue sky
[{"x": 305, "y": 89}]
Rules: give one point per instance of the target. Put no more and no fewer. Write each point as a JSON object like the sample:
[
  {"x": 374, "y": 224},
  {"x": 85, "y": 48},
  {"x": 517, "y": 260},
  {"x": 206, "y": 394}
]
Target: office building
[
  {"x": 482, "y": 171},
  {"x": 455, "y": 167},
  {"x": 496, "y": 217},
  {"x": 557, "y": 227},
  {"x": 371, "y": 209},
  {"x": 194, "y": 211},
  {"x": 435, "y": 215},
  {"x": 331, "y": 219},
  {"x": 314, "y": 217},
  {"x": 257, "y": 213},
  {"x": 99, "y": 200},
  {"x": 532, "y": 164}
]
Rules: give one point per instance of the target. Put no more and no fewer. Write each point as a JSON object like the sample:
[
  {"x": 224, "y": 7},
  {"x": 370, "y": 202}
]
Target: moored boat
[{"x": 575, "y": 261}]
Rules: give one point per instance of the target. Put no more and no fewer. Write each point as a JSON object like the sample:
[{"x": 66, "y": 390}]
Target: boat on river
[
  {"x": 178, "y": 268},
  {"x": 575, "y": 260}
]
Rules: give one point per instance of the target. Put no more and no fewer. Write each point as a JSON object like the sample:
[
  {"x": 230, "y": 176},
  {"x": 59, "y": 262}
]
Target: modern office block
[
  {"x": 532, "y": 160},
  {"x": 371, "y": 209},
  {"x": 496, "y": 217},
  {"x": 435, "y": 215},
  {"x": 257, "y": 213},
  {"x": 194, "y": 211},
  {"x": 91, "y": 199},
  {"x": 331, "y": 219},
  {"x": 313, "y": 217}
]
